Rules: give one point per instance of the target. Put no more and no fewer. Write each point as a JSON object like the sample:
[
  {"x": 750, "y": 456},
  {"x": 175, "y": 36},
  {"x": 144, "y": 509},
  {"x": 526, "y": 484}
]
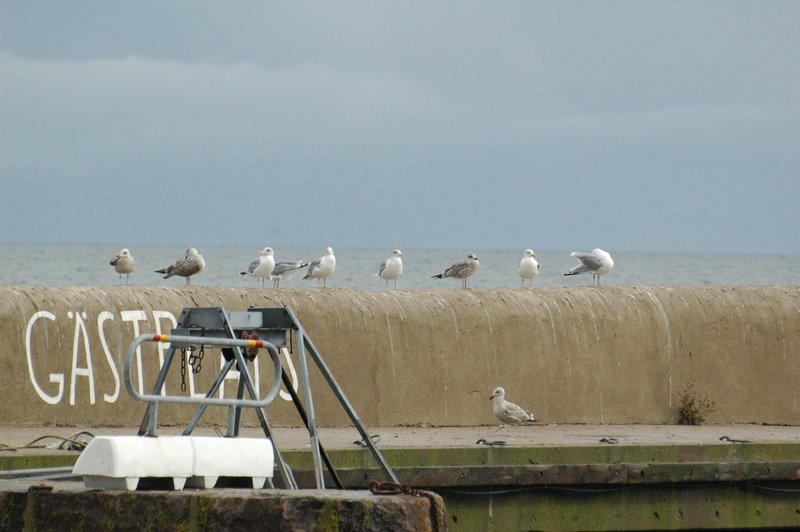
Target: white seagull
[
  {"x": 392, "y": 268},
  {"x": 262, "y": 267},
  {"x": 507, "y": 412},
  {"x": 193, "y": 263},
  {"x": 284, "y": 270},
  {"x": 461, "y": 269},
  {"x": 123, "y": 263},
  {"x": 528, "y": 266},
  {"x": 323, "y": 267},
  {"x": 598, "y": 263}
]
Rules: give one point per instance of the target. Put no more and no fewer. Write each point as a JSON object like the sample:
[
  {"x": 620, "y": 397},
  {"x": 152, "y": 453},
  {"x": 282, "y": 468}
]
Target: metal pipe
[
  {"x": 37, "y": 472},
  {"x": 220, "y": 342},
  {"x": 312, "y": 423}
]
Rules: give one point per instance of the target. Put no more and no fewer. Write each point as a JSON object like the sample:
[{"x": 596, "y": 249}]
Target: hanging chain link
[
  {"x": 196, "y": 361},
  {"x": 183, "y": 370}
]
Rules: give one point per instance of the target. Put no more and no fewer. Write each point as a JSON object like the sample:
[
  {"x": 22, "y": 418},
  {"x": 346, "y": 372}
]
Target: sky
[{"x": 555, "y": 125}]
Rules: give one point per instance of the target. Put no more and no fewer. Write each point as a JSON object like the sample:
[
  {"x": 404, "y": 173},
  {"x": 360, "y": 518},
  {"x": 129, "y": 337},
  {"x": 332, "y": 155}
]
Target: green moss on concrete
[
  {"x": 329, "y": 516},
  {"x": 605, "y": 454},
  {"x": 655, "y": 508},
  {"x": 35, "y": 460}
]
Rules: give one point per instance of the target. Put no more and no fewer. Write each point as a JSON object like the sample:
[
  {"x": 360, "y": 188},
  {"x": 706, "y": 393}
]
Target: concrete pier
[{"x": 550, "y": 477}]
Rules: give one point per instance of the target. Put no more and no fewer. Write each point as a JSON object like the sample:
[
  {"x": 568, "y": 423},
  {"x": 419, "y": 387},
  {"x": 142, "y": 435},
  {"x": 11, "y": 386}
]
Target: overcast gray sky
[{"x": 636, "y": 126}]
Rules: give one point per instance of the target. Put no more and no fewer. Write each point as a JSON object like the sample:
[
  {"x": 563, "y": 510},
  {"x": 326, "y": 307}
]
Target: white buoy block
[
  {"x": 231, "y": 457},
  {"x": 118, "y": 462}
]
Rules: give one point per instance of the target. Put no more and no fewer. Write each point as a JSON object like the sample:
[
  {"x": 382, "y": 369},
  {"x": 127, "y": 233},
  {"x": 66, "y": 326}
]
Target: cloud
[{"x": 132, "y": 108}]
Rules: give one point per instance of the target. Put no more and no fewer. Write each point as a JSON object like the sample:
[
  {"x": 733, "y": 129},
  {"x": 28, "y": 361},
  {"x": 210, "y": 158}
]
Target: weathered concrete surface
[
  {"x": 578, "y": 355},
  {"x": 69, "y": 507}
]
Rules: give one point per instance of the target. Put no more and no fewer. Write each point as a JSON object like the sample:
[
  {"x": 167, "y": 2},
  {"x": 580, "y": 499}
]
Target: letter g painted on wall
[{"x": 55, "y": 378}]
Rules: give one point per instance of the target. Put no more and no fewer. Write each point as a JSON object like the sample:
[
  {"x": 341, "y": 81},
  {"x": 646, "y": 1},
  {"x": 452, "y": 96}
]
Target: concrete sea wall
[{"x": 616, "y": 354}]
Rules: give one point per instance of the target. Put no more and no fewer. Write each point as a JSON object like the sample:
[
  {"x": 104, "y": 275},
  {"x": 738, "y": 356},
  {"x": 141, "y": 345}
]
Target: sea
[{"x": 67, "y": 265}]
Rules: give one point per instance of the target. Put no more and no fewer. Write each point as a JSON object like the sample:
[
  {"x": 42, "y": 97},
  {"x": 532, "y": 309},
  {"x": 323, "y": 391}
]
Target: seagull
[
  {"x": 191, "y": 264},
  {"x": 392, "y": 268},
  {"x": 598, "y": 263},
  {"x": 123, "y": 263},
  {"x": 461, "y": 269},
  {"x": 323, "y": 267},
  {"x": 508, "y": 413},
  {"x": 262, "y": 267},
  {"x": 284, "y": 270},
  {"x": 528, "y": 266}
]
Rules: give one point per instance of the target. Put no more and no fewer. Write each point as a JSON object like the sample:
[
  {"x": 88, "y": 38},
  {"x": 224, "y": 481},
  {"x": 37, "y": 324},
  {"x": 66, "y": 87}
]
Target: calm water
[{"x": 87, "y": 265}]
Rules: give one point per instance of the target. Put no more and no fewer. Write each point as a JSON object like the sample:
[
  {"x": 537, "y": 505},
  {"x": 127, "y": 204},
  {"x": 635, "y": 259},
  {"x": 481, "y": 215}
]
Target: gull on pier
[
  {"x": 460, "y": 270},
  {"x": 123, "y": 264},
  {"x": 392, "y": 268},
  {"x": 285, "y": 270},
  {"x": 323, "y": 267},
  {"x": 262, "y": 267},
  {"x": 507, "y": 412},
  {"x": 192, "y": 264},
  {"x": 528, "y": 267},
  {"x": 598, "y": 263}
]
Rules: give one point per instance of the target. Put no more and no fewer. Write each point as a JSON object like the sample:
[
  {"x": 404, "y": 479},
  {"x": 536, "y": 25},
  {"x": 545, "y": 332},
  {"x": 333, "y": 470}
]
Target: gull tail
[{"x": 437, "y": 276}]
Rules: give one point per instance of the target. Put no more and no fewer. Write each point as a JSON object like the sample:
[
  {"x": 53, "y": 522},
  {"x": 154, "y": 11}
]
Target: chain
[
  {"x": 196, "y": 361},
  {"x": 183, "y": 370}
]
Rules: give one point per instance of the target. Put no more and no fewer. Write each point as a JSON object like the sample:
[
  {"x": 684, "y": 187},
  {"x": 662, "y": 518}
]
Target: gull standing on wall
[
  {"x": 192, "y": 264},
  {"x": 284, "y": 270},
  {"x": 323, "y": 267},
  {"x": 528, "y": 266},
  {"x": 392, "y": 268},
  {"x": 262, "y": 267},
  {"x": 460, "y": 270},
  {"x": 123, "y": 263},
  {"x": 507, "y": 412},
  {"x": 598, "y": 263}
]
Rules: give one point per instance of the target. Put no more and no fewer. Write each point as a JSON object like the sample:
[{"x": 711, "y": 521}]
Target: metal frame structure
[{"x": 274, "y": 328}]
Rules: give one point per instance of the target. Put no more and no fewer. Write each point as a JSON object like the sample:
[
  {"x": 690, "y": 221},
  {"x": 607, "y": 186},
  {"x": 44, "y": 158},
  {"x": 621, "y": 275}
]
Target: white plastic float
[{"x": 118, "y": 462}]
